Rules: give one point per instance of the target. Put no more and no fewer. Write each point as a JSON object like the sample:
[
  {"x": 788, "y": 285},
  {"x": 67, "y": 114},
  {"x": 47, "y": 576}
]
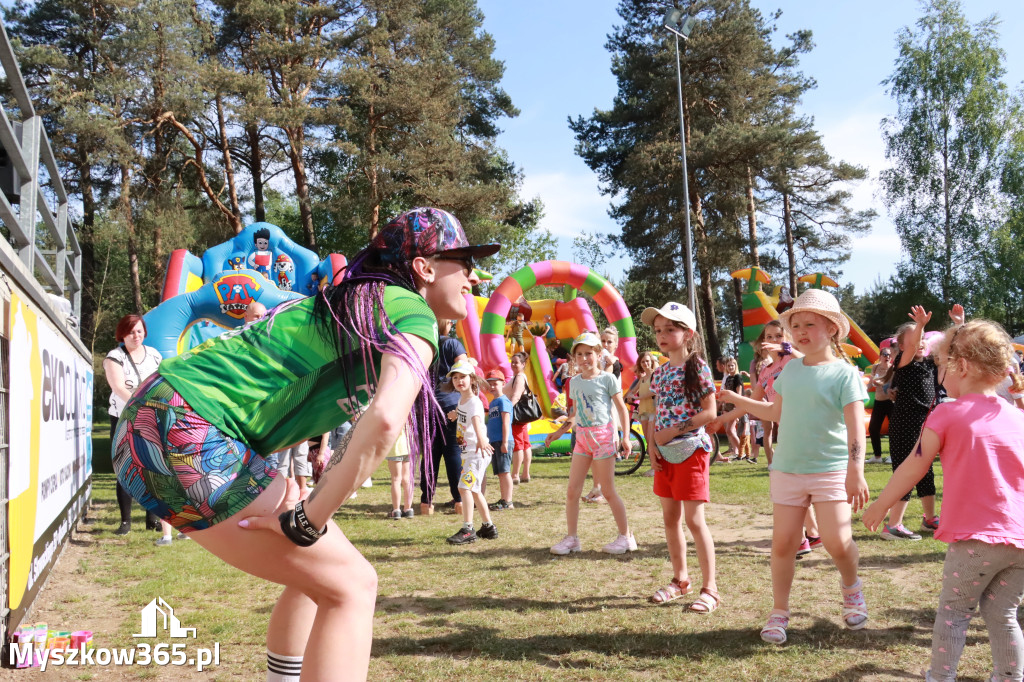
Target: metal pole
[{"x": 687, "y": 235}]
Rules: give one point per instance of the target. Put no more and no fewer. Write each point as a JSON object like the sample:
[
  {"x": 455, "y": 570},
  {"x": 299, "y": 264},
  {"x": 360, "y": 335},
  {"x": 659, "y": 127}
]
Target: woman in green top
[{"x": 194, "y": 444}]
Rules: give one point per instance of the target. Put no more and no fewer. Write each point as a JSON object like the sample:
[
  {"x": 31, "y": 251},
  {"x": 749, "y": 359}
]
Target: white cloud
[{"x": 572, "y": 203}]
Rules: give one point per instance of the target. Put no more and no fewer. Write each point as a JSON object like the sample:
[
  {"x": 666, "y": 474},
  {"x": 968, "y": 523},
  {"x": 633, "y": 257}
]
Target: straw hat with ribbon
[{"x": 822, "y": 303}]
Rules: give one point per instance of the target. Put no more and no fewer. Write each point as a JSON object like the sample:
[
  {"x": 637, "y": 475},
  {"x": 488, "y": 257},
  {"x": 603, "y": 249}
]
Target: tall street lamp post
[{"x": 680, "y": 27}]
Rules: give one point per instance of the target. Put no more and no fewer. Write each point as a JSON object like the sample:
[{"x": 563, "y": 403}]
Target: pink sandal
[
  {"x": 674, "y": 590},
  {"x": 774, "y": 631},
  {"x": 855, "y": 609}
]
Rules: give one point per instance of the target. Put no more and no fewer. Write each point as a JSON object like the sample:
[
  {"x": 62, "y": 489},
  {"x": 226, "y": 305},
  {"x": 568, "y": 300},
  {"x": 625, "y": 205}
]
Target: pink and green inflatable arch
[{"x": 492, "y": 326}]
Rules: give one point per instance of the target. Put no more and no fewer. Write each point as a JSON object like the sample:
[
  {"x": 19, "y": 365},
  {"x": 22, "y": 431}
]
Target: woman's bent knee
[{"x": 355, "y": 583}]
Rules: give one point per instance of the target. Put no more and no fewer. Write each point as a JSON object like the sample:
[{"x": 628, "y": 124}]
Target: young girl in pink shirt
[{"x": 981, "y": 438}]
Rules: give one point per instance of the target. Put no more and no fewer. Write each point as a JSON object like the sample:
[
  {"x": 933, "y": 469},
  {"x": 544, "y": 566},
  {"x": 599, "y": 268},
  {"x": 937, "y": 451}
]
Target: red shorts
[
  {"x": 685, "y": 482},
  {"x": 521, "y": 436}
]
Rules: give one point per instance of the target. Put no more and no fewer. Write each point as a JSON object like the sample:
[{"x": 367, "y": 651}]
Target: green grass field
[{"x": 508, "y": 609}]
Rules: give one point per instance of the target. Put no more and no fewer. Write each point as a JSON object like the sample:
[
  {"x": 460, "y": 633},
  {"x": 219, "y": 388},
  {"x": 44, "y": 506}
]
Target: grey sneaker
[
  {"x": 164, "y": 541},
  {"x": 395, "y": 514},
  {"x": 407, "y": 513},
  {"x": 567, "y": 545},
  {"x": 621, "y": 545},
  {"x": 899, "y": 532}
]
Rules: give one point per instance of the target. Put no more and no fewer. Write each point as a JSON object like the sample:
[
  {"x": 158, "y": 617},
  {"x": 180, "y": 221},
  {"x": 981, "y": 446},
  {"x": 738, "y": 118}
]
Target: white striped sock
[{"x": 283, "y": 668}]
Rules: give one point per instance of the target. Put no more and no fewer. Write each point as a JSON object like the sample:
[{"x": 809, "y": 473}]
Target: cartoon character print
[
  {"x": 234, "y": 263},
  {"x": 669, "y": 385},
  {"x": 460, "y": 430},
  {"x": 468, "y": 479},
  {"x": 285, "y": 270},
  {"x": 260, "y": 259}
]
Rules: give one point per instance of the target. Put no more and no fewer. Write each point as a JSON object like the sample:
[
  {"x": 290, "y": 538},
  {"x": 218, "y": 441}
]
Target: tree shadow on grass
[{"x": 552, "y": 649}]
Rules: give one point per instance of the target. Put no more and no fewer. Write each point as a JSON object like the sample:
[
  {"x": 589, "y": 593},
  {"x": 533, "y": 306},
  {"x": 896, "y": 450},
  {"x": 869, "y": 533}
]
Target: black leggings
[
  {"x": 904, "y": 429},
  {"x": 124, "y": 499},
  {"x": 881, "y": 410}
]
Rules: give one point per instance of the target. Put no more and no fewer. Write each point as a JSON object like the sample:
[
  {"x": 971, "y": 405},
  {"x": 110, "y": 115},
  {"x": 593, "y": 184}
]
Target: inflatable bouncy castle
[{"x": 204, "y": 297}]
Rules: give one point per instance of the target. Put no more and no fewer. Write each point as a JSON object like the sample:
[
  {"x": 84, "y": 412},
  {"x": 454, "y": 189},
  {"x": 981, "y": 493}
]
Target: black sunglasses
[{"x": 468, "y": 263}]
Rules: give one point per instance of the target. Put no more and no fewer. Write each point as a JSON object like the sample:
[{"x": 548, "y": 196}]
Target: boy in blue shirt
[{"x": 499, "y": 433}]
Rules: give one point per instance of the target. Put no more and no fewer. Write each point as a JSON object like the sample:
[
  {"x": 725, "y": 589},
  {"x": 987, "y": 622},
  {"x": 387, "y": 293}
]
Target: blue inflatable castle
[{"x": 203, "y": 297}]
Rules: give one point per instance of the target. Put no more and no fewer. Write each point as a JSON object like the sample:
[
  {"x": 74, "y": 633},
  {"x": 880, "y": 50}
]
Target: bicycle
[{"x": 625, "y": 465}]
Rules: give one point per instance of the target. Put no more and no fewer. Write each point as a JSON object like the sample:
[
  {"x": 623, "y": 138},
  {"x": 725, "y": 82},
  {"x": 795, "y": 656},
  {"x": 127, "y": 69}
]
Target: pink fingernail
[{"x": 244, "y": 523}]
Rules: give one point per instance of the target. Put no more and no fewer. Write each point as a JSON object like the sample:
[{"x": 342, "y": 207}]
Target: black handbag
[{"x": 527, "y": 409}]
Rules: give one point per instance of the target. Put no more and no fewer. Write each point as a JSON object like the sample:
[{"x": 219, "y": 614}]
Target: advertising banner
[{"x": 50, "y": 465}]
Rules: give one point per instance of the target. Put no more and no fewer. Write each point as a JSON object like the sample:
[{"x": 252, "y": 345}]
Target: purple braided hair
[{"x": 361, "y": 326}]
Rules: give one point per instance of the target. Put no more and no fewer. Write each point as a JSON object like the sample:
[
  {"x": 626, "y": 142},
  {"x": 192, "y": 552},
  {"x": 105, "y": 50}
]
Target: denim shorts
[{"x": 501, "y": 462}]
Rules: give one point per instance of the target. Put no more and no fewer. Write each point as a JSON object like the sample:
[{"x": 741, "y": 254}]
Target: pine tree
[{"x": 733, "y": 78}]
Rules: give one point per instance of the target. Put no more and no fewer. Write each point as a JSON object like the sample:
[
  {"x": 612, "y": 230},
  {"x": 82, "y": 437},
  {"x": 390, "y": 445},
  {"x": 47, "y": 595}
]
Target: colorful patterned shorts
[
  {"x": 595, "y": 441},
  {"x": 181, "y": 467}
]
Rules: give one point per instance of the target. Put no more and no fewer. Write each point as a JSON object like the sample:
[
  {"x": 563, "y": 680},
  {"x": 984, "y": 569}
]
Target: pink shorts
[
  {"x": 595, "y": 441},
  {"x": 801, "y": 490}
]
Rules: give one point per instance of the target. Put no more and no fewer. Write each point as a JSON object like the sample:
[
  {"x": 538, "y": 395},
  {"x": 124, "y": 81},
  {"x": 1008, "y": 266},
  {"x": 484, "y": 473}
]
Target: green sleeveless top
[{"x": 280, "y": 380}]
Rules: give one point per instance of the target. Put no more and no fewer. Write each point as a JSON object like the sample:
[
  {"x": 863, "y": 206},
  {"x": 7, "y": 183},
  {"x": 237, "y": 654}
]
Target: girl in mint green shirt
[{"x": 820, "y": 455}]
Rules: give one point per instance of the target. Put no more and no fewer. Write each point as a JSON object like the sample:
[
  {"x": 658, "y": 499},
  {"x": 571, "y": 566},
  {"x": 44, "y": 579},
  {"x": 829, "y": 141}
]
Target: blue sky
[{"x": 556, "y": 66}]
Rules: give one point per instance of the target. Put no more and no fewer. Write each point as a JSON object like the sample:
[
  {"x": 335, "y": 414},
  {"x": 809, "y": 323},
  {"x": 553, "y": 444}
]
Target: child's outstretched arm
[
  {"x": 756, "y": 393},
  {"x": 561, "y": 430},
  {"x": 856, "y": 487},
  {"x": 921, "y": 317},
  {"x": 904, "y": 478},
  {"x": 770, "y": 412}
]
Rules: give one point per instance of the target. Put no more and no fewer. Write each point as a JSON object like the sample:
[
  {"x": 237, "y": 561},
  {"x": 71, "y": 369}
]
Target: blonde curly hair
[{"x": 987, "y": 349}]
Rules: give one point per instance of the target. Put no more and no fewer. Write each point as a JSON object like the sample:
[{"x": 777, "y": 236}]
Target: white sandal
[
  {"x": 855, "y": 609},
  {"x": 774, "y": 631}
]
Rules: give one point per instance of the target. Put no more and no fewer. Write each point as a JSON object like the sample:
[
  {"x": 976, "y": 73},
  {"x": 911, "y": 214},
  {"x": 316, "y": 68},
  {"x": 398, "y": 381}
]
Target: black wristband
[
  {"x": 292, "y": 532},
  {"x": 303, "y": 524}
]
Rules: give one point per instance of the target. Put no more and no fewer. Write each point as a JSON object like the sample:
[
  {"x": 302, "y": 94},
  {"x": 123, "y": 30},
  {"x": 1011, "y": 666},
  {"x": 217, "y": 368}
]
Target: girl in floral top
[{"x": 685, "y": 402}]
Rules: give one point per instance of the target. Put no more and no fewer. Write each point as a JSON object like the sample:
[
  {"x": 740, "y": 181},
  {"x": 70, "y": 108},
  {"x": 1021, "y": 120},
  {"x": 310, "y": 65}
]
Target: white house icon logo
[{"x": 170, "y": 622}]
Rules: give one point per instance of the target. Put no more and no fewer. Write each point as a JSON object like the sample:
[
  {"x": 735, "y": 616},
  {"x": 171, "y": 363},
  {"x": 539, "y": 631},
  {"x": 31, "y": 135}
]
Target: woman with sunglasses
[
  {"x": 883, "y": 404},
  {"x": 194, "y": 444}
]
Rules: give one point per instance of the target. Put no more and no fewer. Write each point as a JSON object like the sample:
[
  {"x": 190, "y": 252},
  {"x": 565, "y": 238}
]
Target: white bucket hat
[
  {"x": 586, "y": 339},
  {"x": 822, "y": 303},
  {"x": 677, "y": 312}
]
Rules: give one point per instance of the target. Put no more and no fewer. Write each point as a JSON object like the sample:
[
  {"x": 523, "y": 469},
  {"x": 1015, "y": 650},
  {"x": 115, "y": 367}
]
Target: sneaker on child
[
  {"x": 395, "y": 514},
  {"x": 502, "y": 505},
  {"x": 567, "y": 545},
  {"x": 805, "y": 548},
  {"x": 464, "y": 536},
  {"x": 621, "y": 545},
  {"x": 813, "y": 540},
  {"x": 488, "y": 531},
  {"x": 930, "y": 524},
  {"x": 899, "y": 532},
  {"x": 164, "y": 541}
]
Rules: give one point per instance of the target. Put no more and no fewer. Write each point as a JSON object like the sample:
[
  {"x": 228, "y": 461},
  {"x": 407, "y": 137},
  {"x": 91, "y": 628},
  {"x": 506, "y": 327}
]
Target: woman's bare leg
[{"x": 332, "y": 574}]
